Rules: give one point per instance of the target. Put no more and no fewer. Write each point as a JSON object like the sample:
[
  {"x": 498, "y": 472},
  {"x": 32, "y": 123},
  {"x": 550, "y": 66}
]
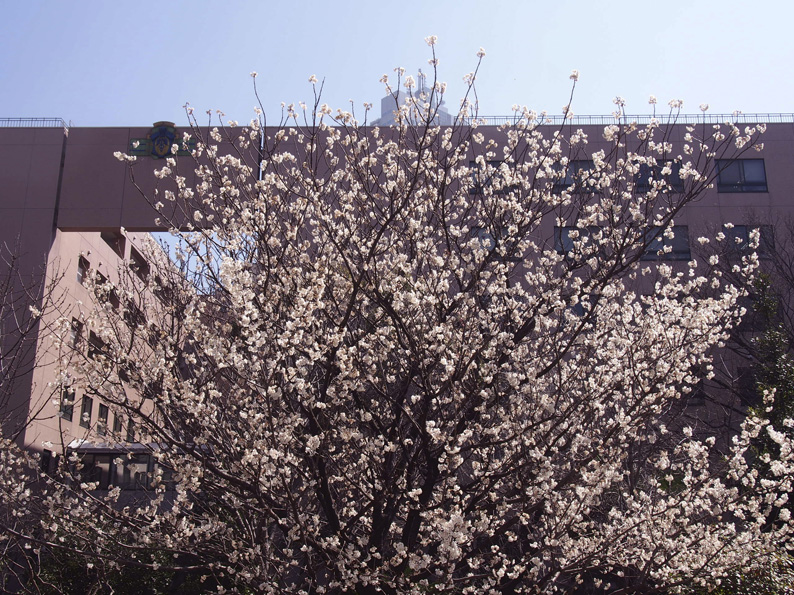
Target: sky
[{"x": 112, "y": 63}]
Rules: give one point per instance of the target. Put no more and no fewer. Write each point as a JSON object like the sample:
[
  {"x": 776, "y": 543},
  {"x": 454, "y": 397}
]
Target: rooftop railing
[
  {"x": 34, "y": 123},
  {"x": 604, "y": 120},
  {"x": 557, "y": 120}
]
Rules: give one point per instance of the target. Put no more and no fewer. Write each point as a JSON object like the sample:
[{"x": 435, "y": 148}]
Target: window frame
[
  {"x": 481, "y": 179},
  {"x": 572, "y": 176},
  {"x": 766, "y": 241},
  {"x": 674, "y": 183},
  {"x": 102, "y": 419},
  {"x": 116, "y": 241},
  {"x": 491, "y": 244},
  {"x": 562, "y": 233},
  {"x": 96, "y": 346},
  {"x": 86, "y": 411},
  {"x": 76, "y": 333},
  {"x": 741, "y": 183},
  {"x": 118, "y": 424},
  {"x": 138, "y": 265},
  {"x": 653, "y": 248},
  {"x": 66, "y": 409},
  {"x": 83, "y": 267}
]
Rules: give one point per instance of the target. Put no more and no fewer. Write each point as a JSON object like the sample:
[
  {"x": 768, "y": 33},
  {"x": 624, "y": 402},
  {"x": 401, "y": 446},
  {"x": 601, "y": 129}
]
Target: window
[
  {"x": 163, "y": 291},
  {"x": 67, "y": 404},
  {"x": 75, "y": 332},
  {"x": 697, "y": 395},
  {"x": 115, "y": 240},
  {"x": 138, "y": 264},
  {"x": 134, "y": 473},
  {"x": 133, "y": 315},
  {"x": 737, "y": 239},
  {"x": 650, "y": 174},
  {"x": 83, "y": 266},
  {"x": 96, "y": 346},
  {"x": 746, "y": 385},
  {"x": 584, "y": 306},
  {"x": 741, "y": 175},
  {"x": 106, "y": 290},
  {"x": 116, "y": 424},
  {"x": 572, "y": 239},
  {"x": 130, "y": 430},
  {"x": 45, "y": 461},
  {"x": 102, "y": 420},
  {"x": 575, "y": 174},
  {"x": 113, "y": 299},
  {"x": 667, "y": 243},
  {"x": 484, "y": 177},
  {"x": 488, "y": 243},
  {"x": 97, "y": 468},
  {"x": 85, "y": 412}
]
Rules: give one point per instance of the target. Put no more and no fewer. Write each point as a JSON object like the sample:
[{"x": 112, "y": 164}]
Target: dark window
[
  {"x": 75, "y": 332},
  {"x": 737, "y": 239},
  {"x": 106, "y": 290},
  {"x": 133, "y": 315},
  {"x": 572, "y": 240},
  {"x": 117, "y": 424},
  {"x": 96, "y": 346},
  {"x": 575, "y": 174},
  {"x": 115, "y": 240},
  {"x": 741, "y": 175},
  {"x": 67, "y": 404},
  {"x": 97, "y": 468},
  {"x": 83, "y": 267},
  {"x": 163, "y": 291},
  {"x": 697, "y": 396},
  {"x": 130, "y": 430},
  {"x": 45, "y": 461},
  {"x": 134, "y": 473},
  {"x": 102, "y": 420},
  {"x": 488, "y": 242},
  {"x": 656, "y": 174},
  {"x": 113, "y": 298},
  {"x": 85, "y": 412},
  {"x": 489, "y": 176},
  {"x": 153, "y": 336},
  {"x": 167, "y": 476},
  {"x": 661, "y": 246},
  {"x": 128, "y": 472},
  {"x": 584, "y": 305},
  {"x": 747, "y": 387},
  {"x": 138, "y": 264}
]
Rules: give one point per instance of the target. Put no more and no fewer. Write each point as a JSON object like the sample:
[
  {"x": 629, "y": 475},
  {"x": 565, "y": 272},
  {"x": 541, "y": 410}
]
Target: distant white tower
[{"x": 392, "y": 102}]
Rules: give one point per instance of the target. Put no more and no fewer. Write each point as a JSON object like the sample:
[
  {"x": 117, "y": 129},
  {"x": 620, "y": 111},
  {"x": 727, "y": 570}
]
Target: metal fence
[
  {"x": 559, "y": 120},
  {"x": 34, "y": 123},
  {"x": 737, "y": 118}
]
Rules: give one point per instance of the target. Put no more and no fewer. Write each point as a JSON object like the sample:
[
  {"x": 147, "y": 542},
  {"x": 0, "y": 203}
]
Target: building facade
[{"x": 67, "y": 202}]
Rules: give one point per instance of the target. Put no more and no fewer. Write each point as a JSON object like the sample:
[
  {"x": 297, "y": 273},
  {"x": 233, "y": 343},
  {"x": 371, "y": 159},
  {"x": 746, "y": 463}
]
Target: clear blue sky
[{"x": 109, "y": 62}]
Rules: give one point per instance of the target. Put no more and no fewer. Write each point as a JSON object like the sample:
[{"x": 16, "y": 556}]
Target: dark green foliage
[
  {"x": 69, "y": 574},
  {"x": 775, "y": 579},
  {"x": 774, "y": 367}
]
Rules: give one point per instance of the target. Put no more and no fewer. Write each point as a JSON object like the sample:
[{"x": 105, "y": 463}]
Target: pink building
[{"x": 65, "y": 199}]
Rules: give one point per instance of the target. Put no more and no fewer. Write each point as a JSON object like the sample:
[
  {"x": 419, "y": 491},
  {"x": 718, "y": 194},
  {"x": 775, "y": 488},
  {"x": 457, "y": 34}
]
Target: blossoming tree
[{"x": 422, "y": 359}]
